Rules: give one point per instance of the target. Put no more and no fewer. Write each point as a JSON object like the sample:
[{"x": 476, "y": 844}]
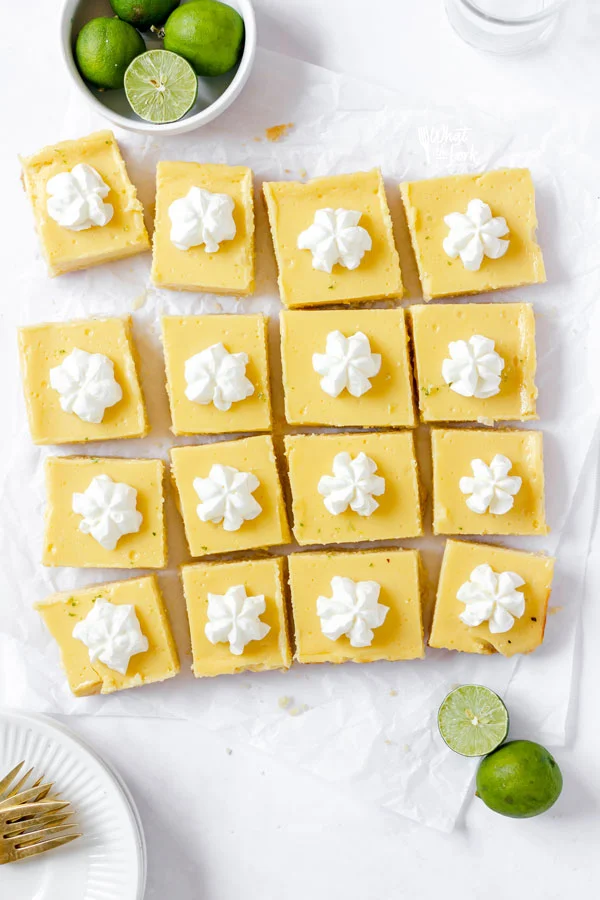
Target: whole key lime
[
  {"x": 209, "y": 34},
  {"x": 104, "y": 48},
  {"x": 520, "y": 779},
  {"x": 143, "y": 14}
]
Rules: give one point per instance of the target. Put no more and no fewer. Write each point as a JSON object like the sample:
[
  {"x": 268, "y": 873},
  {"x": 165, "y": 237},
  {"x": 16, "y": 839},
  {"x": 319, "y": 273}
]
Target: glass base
[{"x": 493, "y": 35}]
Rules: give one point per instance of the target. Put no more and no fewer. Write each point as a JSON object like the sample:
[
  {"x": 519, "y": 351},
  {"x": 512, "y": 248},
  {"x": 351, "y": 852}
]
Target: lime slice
[
  {"x": 160, "y": 86},
  {"x": 473, "y": 720}
]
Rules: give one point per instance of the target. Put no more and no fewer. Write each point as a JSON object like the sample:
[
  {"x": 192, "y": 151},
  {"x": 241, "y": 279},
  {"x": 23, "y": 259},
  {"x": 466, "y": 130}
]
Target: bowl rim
[{"x": 203, "y": 117}]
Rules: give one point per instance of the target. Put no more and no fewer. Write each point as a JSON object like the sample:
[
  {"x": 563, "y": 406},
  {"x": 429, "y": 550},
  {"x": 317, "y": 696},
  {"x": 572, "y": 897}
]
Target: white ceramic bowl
[{"x": 214, "y": 94}]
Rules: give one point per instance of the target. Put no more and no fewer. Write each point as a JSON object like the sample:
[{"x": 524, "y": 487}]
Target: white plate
[{"x": 109, "y": 861}]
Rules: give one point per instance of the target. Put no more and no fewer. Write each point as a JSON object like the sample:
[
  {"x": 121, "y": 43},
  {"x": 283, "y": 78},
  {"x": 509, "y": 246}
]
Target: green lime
[
  {"x": 161, "y": 86},
  {"x": 104, "y": 48},
  {"x": 209, "y": 34},
  {"x": 473, "y": 720},
  {"x": 144, "y": 13},
  {"x": 520, "y": 779}
]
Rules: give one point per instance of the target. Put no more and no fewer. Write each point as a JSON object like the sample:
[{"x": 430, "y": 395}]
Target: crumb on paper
[
  {"x": 406, "y": 748},
  {"x": 303, "y": 173},
  {"x": 393, "y": 692},
  {"x": 257, "y": 140},
  {"x": 139, "y": 301},
  {"x": 277, "y": 132},
  {"x": 292, "y": 708},
  {"x": 228, "y": 751},
  {"x": 554, "y": 609}
]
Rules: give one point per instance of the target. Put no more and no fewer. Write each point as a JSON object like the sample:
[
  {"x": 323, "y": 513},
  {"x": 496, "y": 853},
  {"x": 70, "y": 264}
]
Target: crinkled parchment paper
[{"x": 372, "y": 727}]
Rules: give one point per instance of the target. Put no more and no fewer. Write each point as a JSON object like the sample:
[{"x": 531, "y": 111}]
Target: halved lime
[
  {"x": 473, "y": 720},
  {"x": 161, "y": 86}
]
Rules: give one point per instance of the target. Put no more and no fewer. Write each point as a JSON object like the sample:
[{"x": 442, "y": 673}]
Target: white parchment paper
[{"x": 372, "y": 727}]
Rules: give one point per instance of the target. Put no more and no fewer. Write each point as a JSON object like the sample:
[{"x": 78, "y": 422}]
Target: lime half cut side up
[
  {"x": 161, "y": 86},
  {"x": 473, "y": 720}
]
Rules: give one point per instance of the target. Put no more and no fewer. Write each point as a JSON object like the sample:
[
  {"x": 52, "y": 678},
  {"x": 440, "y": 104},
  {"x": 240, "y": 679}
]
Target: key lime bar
[
  {"x": 217, "y": 373},
  {"x": 204, "y": 228},
  {"x": 85, "y": 207},
  {"x": 237, "y": 615},
  {"x": 104, "y": 512},
  {"x": 80, "y": 381},
  {"x": 333, "y": 240},
  {"x": 474, "y": 233},
  {"x": 491, "y": 599},
  {"x": 348, "y": 488},
  {"x": 357, "y": 606},
  {"x": 475, "y": 362},
  {"x": 66, "y": 616},
  {"x": 488, "y": 482},
  {"x": 345, "y": 344},
  {"x": 230, "y": 495}
]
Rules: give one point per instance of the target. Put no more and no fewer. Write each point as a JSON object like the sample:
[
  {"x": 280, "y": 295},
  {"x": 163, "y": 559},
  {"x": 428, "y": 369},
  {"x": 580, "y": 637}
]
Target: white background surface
[{"x": 227, "y": 826}]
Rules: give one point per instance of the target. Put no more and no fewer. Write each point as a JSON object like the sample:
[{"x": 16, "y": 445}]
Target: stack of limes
[
  {"x": 203, "y": 37},
  {"x": 519, "y": 779}
]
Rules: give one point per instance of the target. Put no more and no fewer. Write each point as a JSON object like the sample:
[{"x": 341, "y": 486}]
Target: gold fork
[{"x": 31, "y": 821}]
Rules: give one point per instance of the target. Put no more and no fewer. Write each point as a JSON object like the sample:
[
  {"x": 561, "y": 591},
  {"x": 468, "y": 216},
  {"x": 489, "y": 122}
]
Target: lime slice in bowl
[
  {"x": 473, "y": 720},
  {"x": 160, "y": 86}
]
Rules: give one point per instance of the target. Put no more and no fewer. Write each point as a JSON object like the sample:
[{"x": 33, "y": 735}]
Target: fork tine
[
  {"x": 20, "y": 783},
  {"x": 24, "y": 825},
  {"x": 35, "y": 837},
  {"x": 27, "y": 796},
  {"x": 31, "y": 810},
  {"x": 8, "y": 778},
  {"x": 15, "y": 788},
  {"x": 44, "y": 790},
  {"x": 24, "y": 852}
]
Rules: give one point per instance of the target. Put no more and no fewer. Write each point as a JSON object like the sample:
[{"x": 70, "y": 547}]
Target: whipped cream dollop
[
  {"x": 112, "y": 634},
  {"x": 474, "y": 368},
  {"x": 347, "y": 364},
  {"x": 335, "y": 237},
  {"x": 226, "y": 497},
  {"x": 475, "y": 234},
  {"x": 234, "y": 618},
  {"x": 76, "y": 199},
  {"x": 352, "y": 610},
  {"x": 216, "y": 376},
  {"x": 353, "y": 484},
  {"x": 202, "y": 217},
  {"x": 491, "y": 487},
  {"x": 492, "y": 597},
  {"x": 109, "y": 510},
  {"x": 86, "y": 384}
]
